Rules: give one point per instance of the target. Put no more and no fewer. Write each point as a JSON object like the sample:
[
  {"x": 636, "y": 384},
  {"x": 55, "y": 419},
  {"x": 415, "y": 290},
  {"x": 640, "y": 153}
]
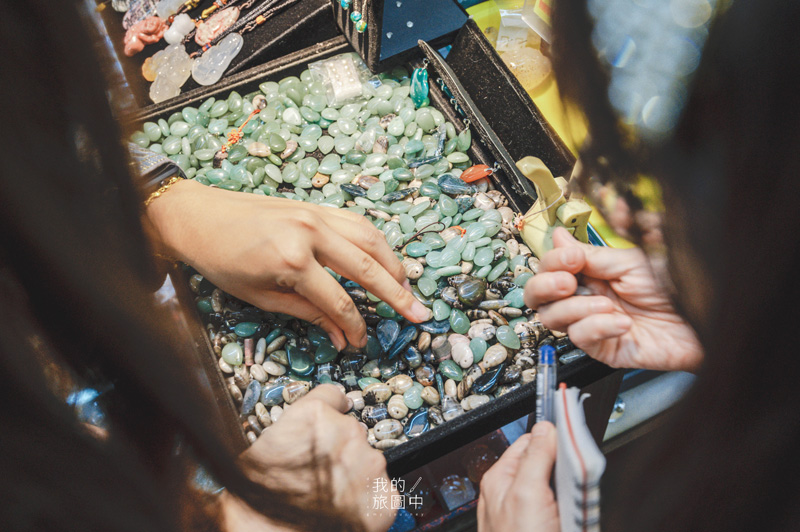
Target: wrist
[{"x": 165, "y": 216}]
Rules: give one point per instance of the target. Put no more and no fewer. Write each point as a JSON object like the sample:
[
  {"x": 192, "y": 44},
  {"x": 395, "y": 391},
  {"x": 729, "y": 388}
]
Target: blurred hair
[
  {"x": 76, "y": 279},
  {"x": 730, "y": 181}
]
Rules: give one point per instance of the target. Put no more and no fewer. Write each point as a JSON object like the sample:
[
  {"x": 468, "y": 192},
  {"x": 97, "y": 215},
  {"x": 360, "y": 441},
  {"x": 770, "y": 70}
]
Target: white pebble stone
[{"x": 462, "y": 355}]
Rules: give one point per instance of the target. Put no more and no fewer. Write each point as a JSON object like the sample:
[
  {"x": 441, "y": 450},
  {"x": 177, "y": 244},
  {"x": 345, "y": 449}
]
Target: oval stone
[{"x": 233, "y": 354}]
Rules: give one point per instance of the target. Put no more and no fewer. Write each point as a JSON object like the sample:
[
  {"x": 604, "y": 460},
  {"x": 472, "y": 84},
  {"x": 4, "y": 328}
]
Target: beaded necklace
[{"x": 357, "y": 15}]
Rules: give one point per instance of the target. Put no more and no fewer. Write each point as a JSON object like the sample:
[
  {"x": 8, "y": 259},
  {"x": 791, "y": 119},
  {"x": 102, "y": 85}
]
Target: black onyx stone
[{"x": 489, "y": 380}]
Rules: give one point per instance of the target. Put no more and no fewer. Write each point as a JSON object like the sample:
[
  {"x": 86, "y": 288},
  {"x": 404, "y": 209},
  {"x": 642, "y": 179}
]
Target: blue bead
[
  {"x": 417, "y": 424},
  {"x": 403, "y": 339},
  {"x": 453, "y": 185},
  {"x": 488, "y": 381},
  {"x": 435, "y": 327},
  {"x": 355, "y": 16},
  {"x": 387, "y": 331},
  {"x": 345, "y": 4},
  {"x": 419, "y": 87}
]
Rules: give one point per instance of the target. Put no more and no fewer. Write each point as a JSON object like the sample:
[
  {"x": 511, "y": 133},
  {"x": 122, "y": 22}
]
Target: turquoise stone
[
  {"x": 507, "y": 337},
  {"x": 373, "y": 348},
  {"x": 326, "y": 352},
  {"x": 430, "y": 190},
  {"x": 522, "y": 278},
  {"x": 441, "y": 310},
  {"x": 451, "y": 370},
  {"x": 414, "y": 146},
  {"x": 300, "y": 361},
  {"x": 417, "y": 249},
  {"x": 233, "y": 354},
  {"x": 419, "y": 87},
  {"x": 204, "y": 305},
  {"x": 515, "y": 298},
  {"x": 478, "y": 347},
  {"x": 385, "y": 311},
  {"x": 246, "y": 329},
  {"x": 459, "y": 321},
  {"x": 413, "y": 398}
]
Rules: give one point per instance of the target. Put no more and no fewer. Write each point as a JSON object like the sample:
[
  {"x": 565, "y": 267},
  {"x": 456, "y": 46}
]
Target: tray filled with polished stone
[{"x": 410, "y": 171}]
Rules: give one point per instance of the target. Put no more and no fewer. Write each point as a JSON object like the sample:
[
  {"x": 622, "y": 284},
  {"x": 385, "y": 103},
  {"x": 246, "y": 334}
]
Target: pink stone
[
  {"x": 215, "y": 25},
  {"x": 144, "y": 32}
]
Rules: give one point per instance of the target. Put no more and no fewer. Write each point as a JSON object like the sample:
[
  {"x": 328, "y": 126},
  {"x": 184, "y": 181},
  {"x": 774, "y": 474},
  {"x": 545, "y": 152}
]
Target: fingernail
[
  {"x": 350, "y": 403},
  {"x": 540, "y": 429},
  {"x": 571, "y": 257},
  {"x": 407, "y": 285},
  {"x": 420, "y": 311},
  {"x": 623, "y": 323},
  {"x": 363, "y": 341}
]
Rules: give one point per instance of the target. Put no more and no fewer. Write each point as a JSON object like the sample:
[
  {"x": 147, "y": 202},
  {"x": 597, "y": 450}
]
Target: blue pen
[{"x": 546, "y": 384}]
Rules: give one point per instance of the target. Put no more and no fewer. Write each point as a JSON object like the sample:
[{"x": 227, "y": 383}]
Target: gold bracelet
[{"x": 160, "y": 191}]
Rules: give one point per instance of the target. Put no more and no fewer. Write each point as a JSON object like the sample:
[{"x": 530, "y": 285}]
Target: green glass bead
[
  {"x": 418, "y": 249},
  {"x": 447, "y": 271},
  {"x": 483, "y": 272},
  {"x": 515, "y": 298},
  {"x": 458, "y": 157},
  {"x": 413, "y": 398},
  {"x": 426, "y": 285},
  {"x": 464, "y": 140},
  {"x": 300, "y": 361},
  {"x": 522, "y": 278},
  {"x": 497, "y": 271},
  {"x": 483, "y": 256},
  {"x": 366, "y": 381},
  {"x": 448, "y": 205},
  {"x": 384, "y": 310},
  {"x": 276, "y": 143}
]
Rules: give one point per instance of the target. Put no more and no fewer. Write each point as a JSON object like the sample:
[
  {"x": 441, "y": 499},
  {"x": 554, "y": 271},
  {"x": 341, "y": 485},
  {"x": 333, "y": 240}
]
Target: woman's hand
[
  {"x": 515, "y": 492},
  {"x": 313, "y": 441},
  {"x": 629, "y": 323},
  {"x": 270, "y": 252}
]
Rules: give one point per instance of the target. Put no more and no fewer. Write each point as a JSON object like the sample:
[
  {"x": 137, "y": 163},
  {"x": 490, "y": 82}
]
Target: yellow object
[
  {"x": 162, "y": 190},
  {"x": 551, "y": 209}
]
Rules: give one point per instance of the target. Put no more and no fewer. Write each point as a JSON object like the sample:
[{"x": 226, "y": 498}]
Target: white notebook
[{"x": 579, "y": 465}]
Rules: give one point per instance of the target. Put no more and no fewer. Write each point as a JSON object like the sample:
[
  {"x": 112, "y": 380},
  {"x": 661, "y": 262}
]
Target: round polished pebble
[
  {"x": 495, "y": 355},
  {"x": 451, "y": 370},
  {"x": 459, "y": 321},
  {"x": 507, "y": 337},
  {"x": 397, "y": 407},
  {"x": 478, "y": 346},
  {"x": 400, "y": 383},
  {"x": 462, "y": 355},
  {"x": 388, "y": 428},
  {"x": 233, "y": 354}
]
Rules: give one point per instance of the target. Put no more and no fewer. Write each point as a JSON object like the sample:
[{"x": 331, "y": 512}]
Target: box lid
[{"x": 393, "y": 27}]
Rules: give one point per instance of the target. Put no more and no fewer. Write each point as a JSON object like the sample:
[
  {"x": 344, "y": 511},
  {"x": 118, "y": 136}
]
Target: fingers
[
  {"x": 591, "y": 330},
  {"x": 331, "y": 396},
  {"x": 316, "y": 284},
  {"x": 505, "y": 469},
  {"x": 299, "y": 307},
  {"x": 536, "y": 464},
  {"x": 560, "y": 314},
  {"x": 355, "y": 264},
  {"x": 370, "y": 240},
  {"x": 544, "y": 288},
  {"x": 594, "y": 261}
]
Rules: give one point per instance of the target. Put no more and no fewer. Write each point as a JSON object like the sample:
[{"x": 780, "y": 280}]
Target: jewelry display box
[{"x": 472, "y": 86}]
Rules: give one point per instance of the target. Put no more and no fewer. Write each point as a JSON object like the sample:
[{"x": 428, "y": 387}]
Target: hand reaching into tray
[
  {"x": 270, "y": 252},
  {"x": 630, "y": 323},
  {"x": 314, "y": 442}
]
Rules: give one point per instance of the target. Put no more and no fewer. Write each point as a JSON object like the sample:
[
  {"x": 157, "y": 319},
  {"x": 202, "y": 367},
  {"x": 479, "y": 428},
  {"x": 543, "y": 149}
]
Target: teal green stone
[
  {"x": 475, "y": 232},
  {"x": 204, "y": 305},
  {"x": 420, "y": 207},
  {"x": 325, "y": 353},
  {"x": 522, "y": 278},
  {"x": 398, "y": 207},
  {"x": 492, "y": 215},
  {"x": 519, "y": 260},
  {"x": 497, "y": 270},
  {"x": 384, "y": 310},
  {"x": 203, "y": 119},
  {"x": 478, "y": 347},
  {"x": 234, "y": 102},
  {"x": 434, "y": 240},
  {"x": 457, "y": 157},
  {"x": 464, "y": 140},
  {"x": 425, "y": 120},
  {"x": 140, "y": 139},
  {"x": 414, "y": 146},
  {"x": 469, "y": 252},
  {"x": 391, "y": 185},
  {"x": 450, "y": 257},
  {"x": 483, "y": 256},
  {"x": 451, "y": 370},
  {"x": 434, "y": 259},
  {"x": 237, "y": 153},
  {"x": 507, "y": 337},
  {"x": 164, "y": 126},
  {"x": 230, "y": 184},
  {"x": 472, "y": 214},
  {"x": 245, "y": 329},
  {"x": 413, "y": 398},
  {"x": 483, "y": 272},
  {"x": 450, "y": 146},
  {"x": 448, "y": 205},
  {"x": 355, "y": 157},
  {"x": 309, "y": 115},
  {"x": 459, "y": 321},
  {"x": 204, "y": 155},
  {"x": 418, "y": 249},
  {"x": 172, "y": 145},
  {"x": 312, "y": 131},
  {"x": 513, "y": 323},
  {"x": 426, "y": 285},
  {"x": 326, "y": 144},
  {"x": 179, "y": 128},
  {"x": 441, "y": 310},
  {"x": 447, "y": 271},
  {"x": 373, "y": 347},
  {"x": 515, "y": 298},
  {"x": 218, "y": 109},
  {"x": 426, "y": 170},
  {"x": 216, "y": 176},
  {"x": 402, "y": 174},
  {"x": 481, "y": 242},
  {"x": 233, "y": 354},
  {"x": 366, "y": 381},
  {"x": 300, "y": 361},
  {"x": 395, "y": 162}
]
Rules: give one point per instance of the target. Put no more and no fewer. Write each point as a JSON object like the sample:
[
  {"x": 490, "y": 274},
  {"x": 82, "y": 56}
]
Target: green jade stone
[
  {"x": 413, "y": 398},
  {"x": 515, "y": 298},
  {"x": 300, "y": 362},
  {"x": 326, "y": 352},
  {"x": 522, "y": 278},
  {"x": 483, "y": 257},
  {"x": 459, "y": 321},
  {"x": 384, "y": 310},
  {"x": 507, "y": 337},
  {"x": 478, "y": 347},
  {"x": 418, "y": 249},
  {"x": 497, "y": 271},
  {"x": 447, "y": 271},
  {"x": 441, "y": 310},
  {"x": 425, "y": 285},
  {"x": 246, "y": 329},
  {"x": 451, "y": 370},
  {"x": 204, "y": 305},
  {"x": 233, "y": 354},
  {"x": 366, "y": 381}
]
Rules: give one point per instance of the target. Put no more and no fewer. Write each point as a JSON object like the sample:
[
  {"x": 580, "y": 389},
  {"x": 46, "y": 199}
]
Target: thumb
[
  {"x": 563, "y": 238},
  {"x": 599, "y": 262},
  {"x": 537, "y": 463}
]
